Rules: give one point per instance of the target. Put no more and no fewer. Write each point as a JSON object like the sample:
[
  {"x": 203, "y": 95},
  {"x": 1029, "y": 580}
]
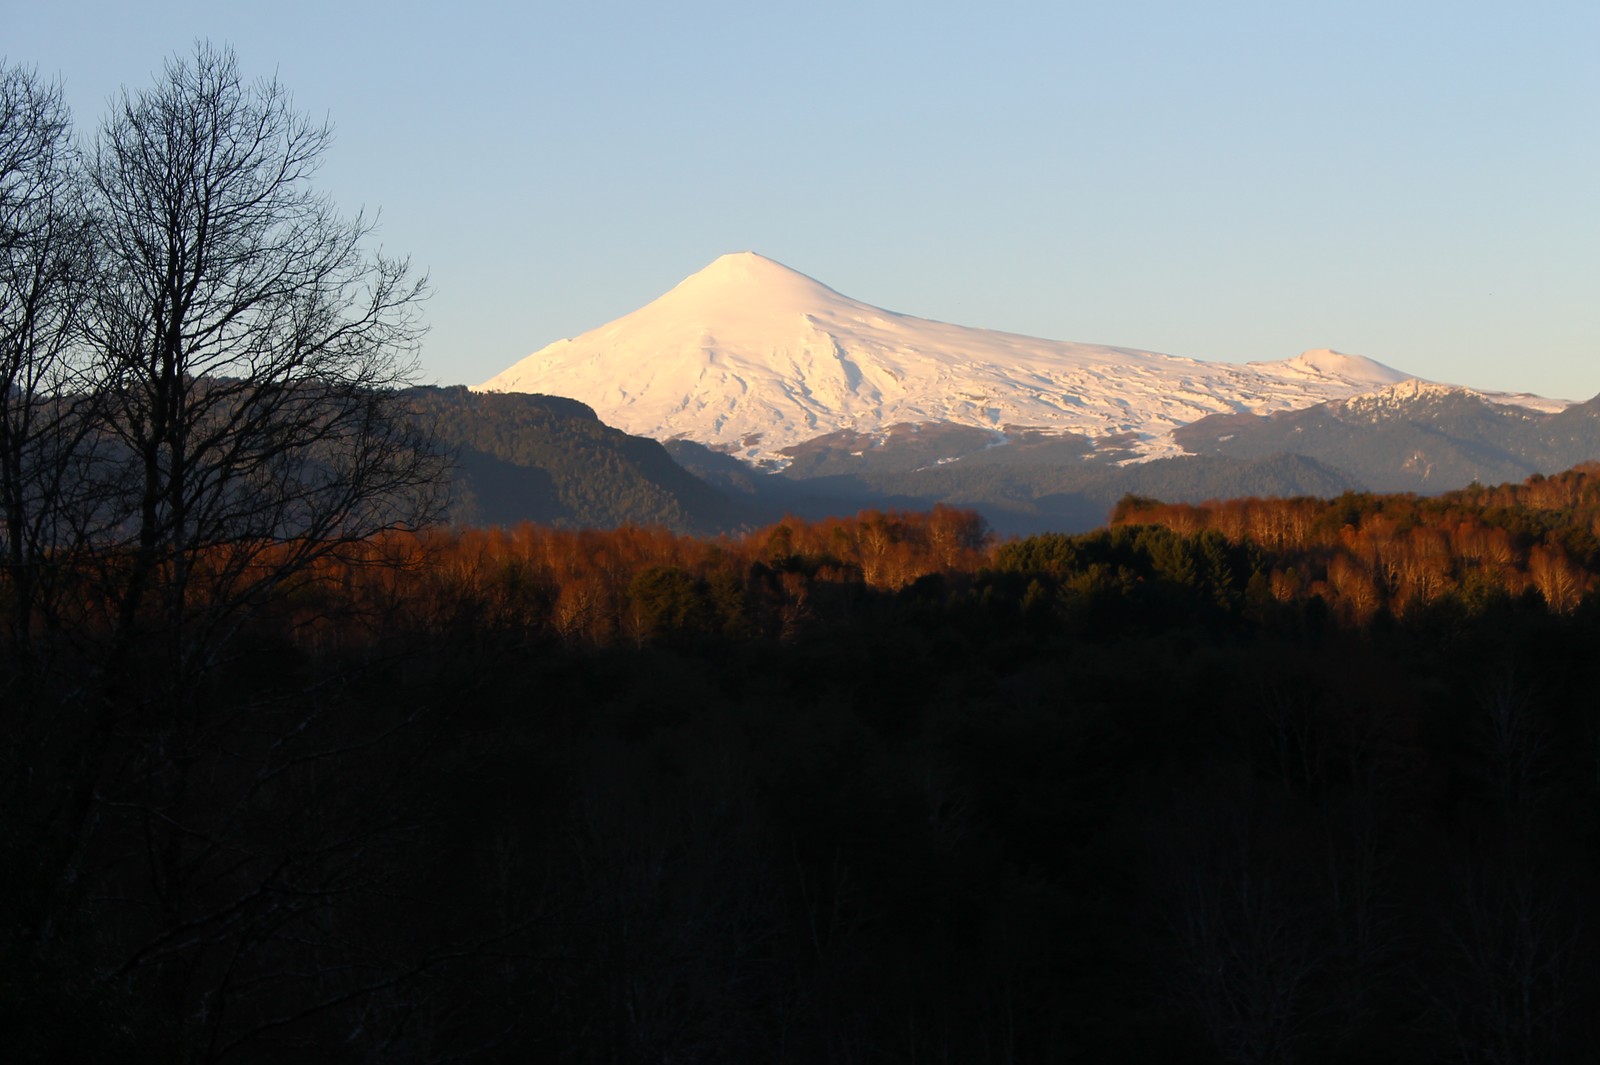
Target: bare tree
[
  {"x": 44, "y": 274},
  {"x": 249, "y": 351},
  {"x": 1236, "y": 891},
  {"x": 1513, "y": 946},
  {"x": 205, "y": 396}
]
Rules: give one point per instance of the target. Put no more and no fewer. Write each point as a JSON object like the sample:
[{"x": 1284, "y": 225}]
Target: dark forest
[{"x": 1266, "y": 781}]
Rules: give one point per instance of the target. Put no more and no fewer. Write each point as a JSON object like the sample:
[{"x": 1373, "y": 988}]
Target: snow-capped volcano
[{"x": 752, "y": 357}]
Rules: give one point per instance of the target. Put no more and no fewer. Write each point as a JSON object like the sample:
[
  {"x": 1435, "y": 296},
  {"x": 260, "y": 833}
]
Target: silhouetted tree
[
  {"x": 226, "y": 414},
  {"x": 248, "y": 348},
  {"x": 45, "y": 274}
]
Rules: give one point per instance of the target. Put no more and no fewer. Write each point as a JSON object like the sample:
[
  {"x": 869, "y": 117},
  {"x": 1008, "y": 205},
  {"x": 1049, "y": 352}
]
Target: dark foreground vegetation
[{"x": 1263, "y": 781}]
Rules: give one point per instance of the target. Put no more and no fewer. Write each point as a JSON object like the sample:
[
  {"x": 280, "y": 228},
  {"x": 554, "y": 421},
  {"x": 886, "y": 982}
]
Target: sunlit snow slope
[{"x": 750, "y": 356}]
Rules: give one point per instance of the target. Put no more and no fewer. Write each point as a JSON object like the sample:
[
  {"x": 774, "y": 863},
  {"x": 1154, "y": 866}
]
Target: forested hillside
[
  {"x": 1266, "y": 780},
  {"x": 546, "y": 459}
]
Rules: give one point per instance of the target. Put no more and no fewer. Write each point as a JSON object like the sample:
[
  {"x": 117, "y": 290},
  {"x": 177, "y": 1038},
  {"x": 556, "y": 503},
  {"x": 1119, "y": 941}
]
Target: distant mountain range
[
  {"x": 1413, "y": 436},
  {"x": 782, "y": 394}
]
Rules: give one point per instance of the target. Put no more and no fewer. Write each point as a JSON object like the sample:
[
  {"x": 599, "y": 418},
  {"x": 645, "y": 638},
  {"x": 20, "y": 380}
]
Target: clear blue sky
[{"x": 1415, "y": 182}]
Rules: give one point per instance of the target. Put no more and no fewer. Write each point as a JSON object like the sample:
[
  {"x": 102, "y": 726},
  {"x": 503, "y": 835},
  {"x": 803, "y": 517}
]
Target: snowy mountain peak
[
  {"x": 743, "y": 278},
  {"x": 1412, "y": 392},
  {"x": 746, "y": 268},
  {"x": 1336, "y": 365},
  {"x": 750, "y": 356},
  {"x": 1402, "y": 394}
]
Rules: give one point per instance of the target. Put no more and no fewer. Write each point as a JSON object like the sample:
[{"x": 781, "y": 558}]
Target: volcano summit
[{"x": 750, "y": 357}]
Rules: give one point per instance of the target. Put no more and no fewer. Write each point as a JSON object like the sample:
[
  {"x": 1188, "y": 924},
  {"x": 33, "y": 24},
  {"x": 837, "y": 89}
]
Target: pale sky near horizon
[{"x": 1414, "y": 182}]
